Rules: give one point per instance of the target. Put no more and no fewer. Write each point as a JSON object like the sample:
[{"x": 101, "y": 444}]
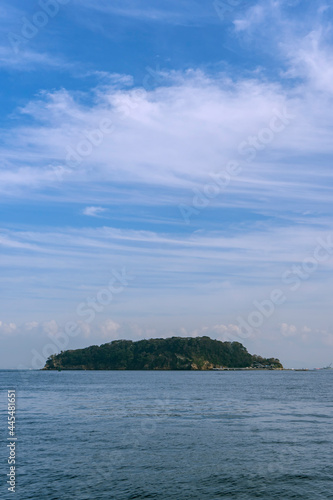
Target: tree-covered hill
[{"x": 176, "y": 353}]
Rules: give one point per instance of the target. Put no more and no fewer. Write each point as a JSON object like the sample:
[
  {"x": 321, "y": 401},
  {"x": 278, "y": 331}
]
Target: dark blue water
[{"x": 170, "y": 435}]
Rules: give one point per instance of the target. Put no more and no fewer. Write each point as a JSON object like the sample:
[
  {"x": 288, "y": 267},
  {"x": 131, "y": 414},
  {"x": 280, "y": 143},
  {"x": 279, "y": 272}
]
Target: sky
[{"x": 166, "y": 171}]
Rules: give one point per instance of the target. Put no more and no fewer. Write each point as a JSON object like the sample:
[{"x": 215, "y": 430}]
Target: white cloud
[
  {"x": 7, "y": 328},
  {"x": 254, "y": 16},
  {"x": 187, "y": 12},
  {"x": 310, "y": 335},
  {"x": 50, "y": 327},
  {"x": 312, "y": 59},
  {"x": 27, "y": 60},
  {"x": 31, "y": 325},
  {"x": 174, "y": 137},
  {"x": 306, "y": 329},
  {"x": 93, "y": 211},
  {"x": 224, "y": 333},
  {"x": 288, "y": 330},
  {"x": 109, "y": 329},
  {"x": 85, "y": 328}
]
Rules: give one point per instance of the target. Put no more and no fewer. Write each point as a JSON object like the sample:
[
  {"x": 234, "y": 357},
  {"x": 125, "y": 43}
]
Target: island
[{"x": 175, "y": 353}]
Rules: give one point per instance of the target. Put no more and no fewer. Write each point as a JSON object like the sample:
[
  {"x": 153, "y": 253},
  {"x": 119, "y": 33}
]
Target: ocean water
[{"x": 170, "y": 435}]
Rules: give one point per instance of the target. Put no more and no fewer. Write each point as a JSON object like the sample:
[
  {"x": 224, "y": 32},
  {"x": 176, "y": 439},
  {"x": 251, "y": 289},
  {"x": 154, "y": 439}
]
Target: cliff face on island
[{"x": 176, "y": 353}]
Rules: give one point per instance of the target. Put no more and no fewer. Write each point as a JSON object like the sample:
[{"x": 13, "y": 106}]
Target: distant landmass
[{"x": 175, "y": 353}]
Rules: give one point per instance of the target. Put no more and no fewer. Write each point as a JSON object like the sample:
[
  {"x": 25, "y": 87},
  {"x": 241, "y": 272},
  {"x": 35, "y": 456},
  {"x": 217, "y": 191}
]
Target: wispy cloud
[
  {"x": 185, "y": 12},
  {"x": 176, "y": 136},
  {"x": 93, "y": 211},
  {"x": 28, "y": 60},
  {"x": 20, "y": 49}
]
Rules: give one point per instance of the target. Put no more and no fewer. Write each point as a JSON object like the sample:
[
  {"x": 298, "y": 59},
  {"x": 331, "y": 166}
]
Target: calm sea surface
[{"x": 170, "y": 435}]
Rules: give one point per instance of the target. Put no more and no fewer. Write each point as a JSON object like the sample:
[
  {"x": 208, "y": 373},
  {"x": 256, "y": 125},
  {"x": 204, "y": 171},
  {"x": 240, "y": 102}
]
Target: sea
[{"x": 123, "y": 435}]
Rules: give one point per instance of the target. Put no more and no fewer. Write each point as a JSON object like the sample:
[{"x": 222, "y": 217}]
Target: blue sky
[{"x": 189, "y": 143}]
